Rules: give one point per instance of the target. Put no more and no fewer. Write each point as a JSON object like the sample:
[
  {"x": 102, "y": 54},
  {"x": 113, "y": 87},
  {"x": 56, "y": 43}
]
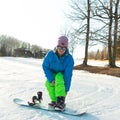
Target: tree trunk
[
  {"x": 115, "y": 33},
  {"x": 109, "y": 36},
  {"x": 87, "y": 35}
]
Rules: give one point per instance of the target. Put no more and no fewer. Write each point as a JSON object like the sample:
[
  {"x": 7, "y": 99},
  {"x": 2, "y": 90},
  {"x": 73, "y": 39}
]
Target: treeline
[
  {"x": 103, "y": 54},
  {"x": 10, "y": 46}
]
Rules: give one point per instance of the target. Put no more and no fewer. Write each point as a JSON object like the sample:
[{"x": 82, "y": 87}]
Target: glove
[{"x": 53, "y": 82}]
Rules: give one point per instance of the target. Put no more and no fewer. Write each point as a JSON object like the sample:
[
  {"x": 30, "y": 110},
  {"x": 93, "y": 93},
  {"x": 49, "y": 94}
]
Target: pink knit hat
[{"x": 63, "y": 41}]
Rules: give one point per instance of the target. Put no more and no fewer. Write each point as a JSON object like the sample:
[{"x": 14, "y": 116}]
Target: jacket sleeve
[
  {"x": 46, "y": 67},
  {"x": 68, "y": 73}
]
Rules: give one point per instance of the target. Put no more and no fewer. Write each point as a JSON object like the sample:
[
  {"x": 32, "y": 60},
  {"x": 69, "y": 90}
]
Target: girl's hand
[{"x": 53, "y": 82}]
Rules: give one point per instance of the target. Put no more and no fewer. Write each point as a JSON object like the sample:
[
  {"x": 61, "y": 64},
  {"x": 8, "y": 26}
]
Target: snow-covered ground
[{"x": 23, "y": 77}]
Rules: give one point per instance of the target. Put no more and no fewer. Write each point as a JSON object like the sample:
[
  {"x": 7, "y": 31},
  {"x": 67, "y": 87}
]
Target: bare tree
[
  {"x": 73, "y": 42},
  {"x": 107, "y": 13},
  {"x": 110, "y": 34},
  {"x": 118, "y": 48},
  {"x": 116, "y": 16},
  {"x": 8, "y": 44},
  {"x": 81, "y": 24}
]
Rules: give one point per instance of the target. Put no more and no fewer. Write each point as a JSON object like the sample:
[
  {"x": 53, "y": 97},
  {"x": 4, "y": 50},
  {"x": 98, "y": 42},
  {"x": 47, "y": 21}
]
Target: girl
[{"x": 58, "y": 66}]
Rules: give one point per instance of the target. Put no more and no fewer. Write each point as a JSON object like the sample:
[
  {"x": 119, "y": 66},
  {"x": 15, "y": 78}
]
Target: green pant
[{"x": 58, "y": 89}]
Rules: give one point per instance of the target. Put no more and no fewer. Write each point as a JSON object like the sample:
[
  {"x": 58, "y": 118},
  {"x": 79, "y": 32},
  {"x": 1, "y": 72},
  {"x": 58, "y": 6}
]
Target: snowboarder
[{"x": 58, "y": 66}]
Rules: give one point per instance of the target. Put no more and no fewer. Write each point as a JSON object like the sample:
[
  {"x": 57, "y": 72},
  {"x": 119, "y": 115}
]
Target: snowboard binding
[{"x": 36, "y": 99}]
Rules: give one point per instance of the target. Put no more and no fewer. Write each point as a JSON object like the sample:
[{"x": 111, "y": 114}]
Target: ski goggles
[{"x": 61, "y": 48}]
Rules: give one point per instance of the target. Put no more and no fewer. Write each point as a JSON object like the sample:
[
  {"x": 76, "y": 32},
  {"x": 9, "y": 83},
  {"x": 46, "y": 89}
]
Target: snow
[{"x": 23, "y": 77}]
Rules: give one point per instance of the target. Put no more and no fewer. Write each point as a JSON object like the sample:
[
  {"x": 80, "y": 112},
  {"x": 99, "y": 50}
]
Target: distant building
[{"x": 19, "y": 52}]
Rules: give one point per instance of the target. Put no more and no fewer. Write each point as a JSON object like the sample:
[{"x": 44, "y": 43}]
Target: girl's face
[{"x": 61, "y": 50}]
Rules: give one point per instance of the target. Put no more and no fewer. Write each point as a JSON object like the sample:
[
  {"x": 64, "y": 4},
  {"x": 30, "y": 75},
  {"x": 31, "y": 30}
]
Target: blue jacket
[{"x": 52, "y": 64}]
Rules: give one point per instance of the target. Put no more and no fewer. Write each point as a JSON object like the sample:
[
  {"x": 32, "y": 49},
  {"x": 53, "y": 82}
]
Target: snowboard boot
[
  {"x": 60, "y": 105},
  {"x": 52, "y": 105}
]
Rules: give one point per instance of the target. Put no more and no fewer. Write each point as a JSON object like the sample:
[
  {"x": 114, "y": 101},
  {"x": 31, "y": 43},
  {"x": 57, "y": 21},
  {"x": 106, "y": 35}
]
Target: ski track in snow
[{"x": 23, "y": 77}]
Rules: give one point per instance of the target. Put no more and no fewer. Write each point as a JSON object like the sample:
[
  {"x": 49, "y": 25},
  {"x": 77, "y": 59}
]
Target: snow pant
[{"x": 58, "y": 89}]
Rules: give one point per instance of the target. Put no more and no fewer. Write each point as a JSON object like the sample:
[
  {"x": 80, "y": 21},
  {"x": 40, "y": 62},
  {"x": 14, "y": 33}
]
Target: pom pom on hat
[{"x": 63, "y": 41}]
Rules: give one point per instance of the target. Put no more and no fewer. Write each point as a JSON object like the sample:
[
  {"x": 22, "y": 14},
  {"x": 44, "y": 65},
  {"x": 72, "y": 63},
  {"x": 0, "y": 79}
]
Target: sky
[
  {"x": 34, "y": 21},
  {"x": 38, "y": 22}
]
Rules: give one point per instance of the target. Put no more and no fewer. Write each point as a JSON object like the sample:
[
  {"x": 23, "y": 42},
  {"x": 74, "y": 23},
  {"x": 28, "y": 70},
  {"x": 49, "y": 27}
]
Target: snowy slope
[{"x": 23, "y": 77}]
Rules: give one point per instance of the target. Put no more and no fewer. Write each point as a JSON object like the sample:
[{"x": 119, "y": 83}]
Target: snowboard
[{"x": 67, "y": 111}]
